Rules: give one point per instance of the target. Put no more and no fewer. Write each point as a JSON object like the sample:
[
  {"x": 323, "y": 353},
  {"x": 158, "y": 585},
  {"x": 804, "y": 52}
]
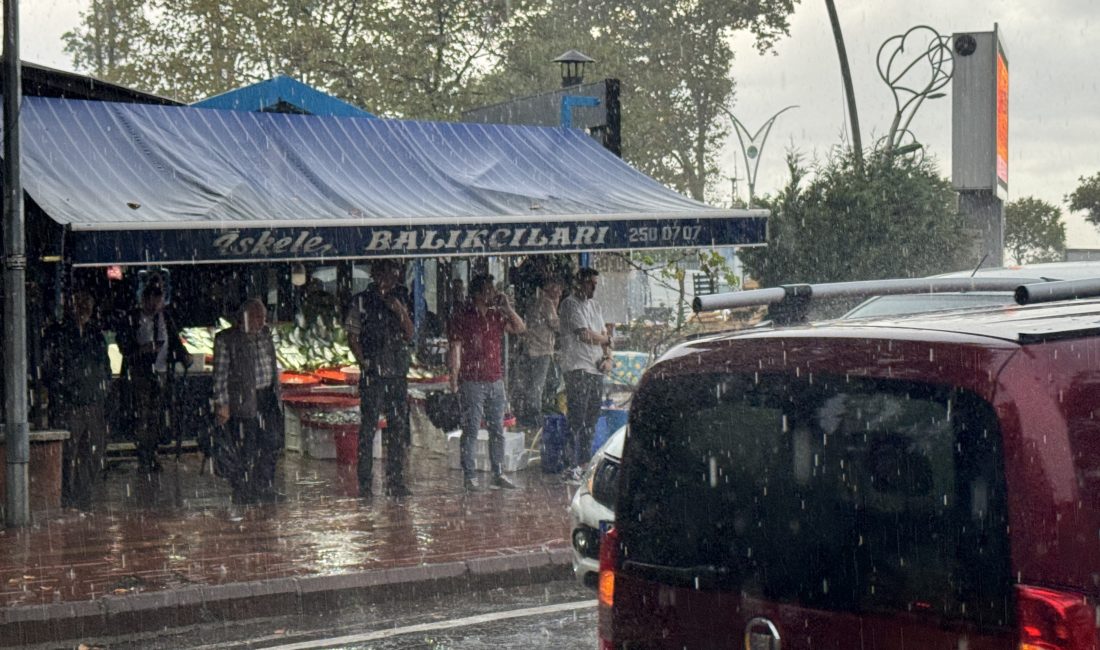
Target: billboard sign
[
  {"x": 1002, "y": 118},
  {"x": 979, "y": 113}
]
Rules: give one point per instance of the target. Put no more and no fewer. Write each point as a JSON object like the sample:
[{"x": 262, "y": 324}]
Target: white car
[{"x": 591, "y": 510}]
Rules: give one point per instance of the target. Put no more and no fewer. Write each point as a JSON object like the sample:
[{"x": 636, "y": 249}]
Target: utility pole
[
  {"x": 849, "y": 88},
  {"x": 16, "y": 431}
]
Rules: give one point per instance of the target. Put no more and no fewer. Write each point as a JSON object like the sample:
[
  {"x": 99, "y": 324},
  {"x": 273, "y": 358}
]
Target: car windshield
[{"x": 914, "y": 304}]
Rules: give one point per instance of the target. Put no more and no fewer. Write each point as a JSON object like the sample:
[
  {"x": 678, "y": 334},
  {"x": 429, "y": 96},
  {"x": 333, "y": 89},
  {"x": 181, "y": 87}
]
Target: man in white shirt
[{"x": 585, "y": 358}]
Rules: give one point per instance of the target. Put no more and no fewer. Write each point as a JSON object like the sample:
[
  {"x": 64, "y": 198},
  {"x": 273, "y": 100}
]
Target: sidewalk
[{"x": 170, "y": 550}]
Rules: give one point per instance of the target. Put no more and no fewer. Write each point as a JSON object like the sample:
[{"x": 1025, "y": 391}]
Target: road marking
[{"x": 439, "y": 625}]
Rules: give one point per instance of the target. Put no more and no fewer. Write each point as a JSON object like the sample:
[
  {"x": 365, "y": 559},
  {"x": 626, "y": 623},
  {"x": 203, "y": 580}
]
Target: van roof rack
[{"x": 789, "y": 303}]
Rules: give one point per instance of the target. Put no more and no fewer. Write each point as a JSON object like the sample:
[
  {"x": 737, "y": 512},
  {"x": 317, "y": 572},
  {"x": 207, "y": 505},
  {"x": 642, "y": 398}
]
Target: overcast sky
[{"x": 1054, "y": 96}]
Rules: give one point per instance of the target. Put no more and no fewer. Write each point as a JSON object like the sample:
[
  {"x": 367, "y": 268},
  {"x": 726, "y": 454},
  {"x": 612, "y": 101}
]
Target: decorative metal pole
[
  {"x": 912, "y": 79},
  {"x": 752, "y": 151},
  {"x": 16, "y": 431}
]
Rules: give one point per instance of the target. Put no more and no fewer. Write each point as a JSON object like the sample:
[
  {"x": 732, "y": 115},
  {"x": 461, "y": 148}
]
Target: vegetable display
[{"x": 302, "y": 347}]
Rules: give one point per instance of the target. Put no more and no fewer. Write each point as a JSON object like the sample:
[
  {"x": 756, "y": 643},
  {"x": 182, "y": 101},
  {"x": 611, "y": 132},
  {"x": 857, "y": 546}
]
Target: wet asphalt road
[{"x": 560, "y": 615}]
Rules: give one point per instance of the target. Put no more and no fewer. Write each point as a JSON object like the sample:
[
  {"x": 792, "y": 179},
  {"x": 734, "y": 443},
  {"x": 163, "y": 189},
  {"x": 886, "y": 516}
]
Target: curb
[{"x": 307, "y": 595}]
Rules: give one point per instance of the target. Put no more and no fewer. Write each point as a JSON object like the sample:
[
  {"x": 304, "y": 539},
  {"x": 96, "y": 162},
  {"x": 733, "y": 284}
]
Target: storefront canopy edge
[{"x": 143, "y": 184}]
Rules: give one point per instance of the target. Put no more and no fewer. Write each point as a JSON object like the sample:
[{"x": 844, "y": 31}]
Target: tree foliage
[
  {"x": 430, "y": 59},
  {"x": 896, "y": 218},
  {"x": 1034, "y": 231},
  {"x": 1087, "y": 197},
  {"x": 673, "y": 58},
  {"x": 398, "y": 58}
]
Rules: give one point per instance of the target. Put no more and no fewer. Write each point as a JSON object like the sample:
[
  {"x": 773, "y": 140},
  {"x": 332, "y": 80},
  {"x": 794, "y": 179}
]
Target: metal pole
[
  {"x": 751, "y": 152},
  {"x": 17, "y": 438},
  {"x": 849, "y": 89}
]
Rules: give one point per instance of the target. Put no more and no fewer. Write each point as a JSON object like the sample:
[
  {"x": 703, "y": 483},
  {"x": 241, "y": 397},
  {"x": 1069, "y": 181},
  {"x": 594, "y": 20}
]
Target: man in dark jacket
[
  {"x": 78, "y": 373},
  {"x": 149, "y": 341},
  {"x": 246, "y": 406},
  {"x": 379, "y": 332}
]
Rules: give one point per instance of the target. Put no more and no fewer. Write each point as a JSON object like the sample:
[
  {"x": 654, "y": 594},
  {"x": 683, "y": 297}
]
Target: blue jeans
[{"x": 482, "y": 400}]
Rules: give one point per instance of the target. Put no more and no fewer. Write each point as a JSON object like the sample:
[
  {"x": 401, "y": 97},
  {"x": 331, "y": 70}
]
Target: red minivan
[{"x": 923, "y": 482}]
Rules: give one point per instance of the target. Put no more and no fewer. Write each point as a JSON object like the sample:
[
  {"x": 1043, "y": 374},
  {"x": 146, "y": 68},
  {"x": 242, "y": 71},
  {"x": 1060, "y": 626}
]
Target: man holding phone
[
  {"x": 476, "y": 335},
  {"x": 585, "y": 359}
]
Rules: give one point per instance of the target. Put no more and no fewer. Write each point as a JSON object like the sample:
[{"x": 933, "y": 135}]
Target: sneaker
[
  {"x": 398, "y": 491},
  {"x": 242, "y": 498},
  {"x": 500, "y": 482},
  {"x": 573, "y": 475},
  {"x": 470, "y": 485}
]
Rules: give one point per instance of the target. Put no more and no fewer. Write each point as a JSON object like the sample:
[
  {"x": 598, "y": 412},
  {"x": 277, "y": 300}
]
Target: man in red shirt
[{"x": 476, "y": 336}]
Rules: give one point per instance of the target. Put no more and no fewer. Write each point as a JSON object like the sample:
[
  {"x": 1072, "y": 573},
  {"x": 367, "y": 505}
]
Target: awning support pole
[{"x": 17, "y": 433}]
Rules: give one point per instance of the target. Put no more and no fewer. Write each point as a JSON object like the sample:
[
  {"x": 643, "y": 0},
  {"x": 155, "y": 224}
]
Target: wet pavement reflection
[{"x": 178, "y": 528}]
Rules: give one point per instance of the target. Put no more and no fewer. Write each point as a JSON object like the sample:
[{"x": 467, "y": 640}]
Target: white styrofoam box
[
  {"x": 292, "y": 427},
  {"x": 319, "y": 443},
  {"x": 514, "y": 451}
]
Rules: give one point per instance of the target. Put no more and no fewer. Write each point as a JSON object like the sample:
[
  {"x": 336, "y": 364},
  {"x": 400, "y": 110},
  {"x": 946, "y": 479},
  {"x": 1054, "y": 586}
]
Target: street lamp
[
  {"x": 750, "y": 148},
  {"x": 572, "y": 67}
]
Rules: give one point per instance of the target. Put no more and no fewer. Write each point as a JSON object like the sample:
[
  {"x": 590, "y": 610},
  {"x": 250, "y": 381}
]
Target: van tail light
[
  {"x": 609, "y": 563},
  {"x": 1054, "y": 620}
]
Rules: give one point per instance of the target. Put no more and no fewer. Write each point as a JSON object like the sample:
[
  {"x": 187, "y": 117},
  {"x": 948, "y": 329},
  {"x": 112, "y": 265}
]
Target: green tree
[
  {"x": 1087, "y": 197},
  {"x": 1034, "y": 231},
  {"x": 405, "y": 58},
  {"x": 106, "y": 43},
  {"x": 673, "y": 58},
  {"x": 895, "y": 218}
]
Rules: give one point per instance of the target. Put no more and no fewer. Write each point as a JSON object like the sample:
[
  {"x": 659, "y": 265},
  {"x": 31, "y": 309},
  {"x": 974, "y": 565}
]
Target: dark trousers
[
  {"x": 150, "y": 397},
  {"x": 531, "y": 382},
  {"x": 583, "y": 396},
  {"x": 387, "y": 396},
  {"x": 82, "y": 455},
  {"x": 247, "y": 450}
]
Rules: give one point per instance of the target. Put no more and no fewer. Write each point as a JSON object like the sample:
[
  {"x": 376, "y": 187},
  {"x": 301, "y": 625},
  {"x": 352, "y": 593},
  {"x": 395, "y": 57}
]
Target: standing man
[
  {"x": 78, "y": 373},
  {"x": 379, "y": 333},
  {"x": 246, "y": 406},
  {"x": 150, "y": 344},
  {"x": 476, "y": 336},
  {"x": 542, "y": 332},
  {"x": 585, "y": 358}
]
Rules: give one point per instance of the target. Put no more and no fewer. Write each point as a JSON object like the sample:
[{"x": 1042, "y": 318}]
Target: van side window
[{"x": 836, "y": 493}]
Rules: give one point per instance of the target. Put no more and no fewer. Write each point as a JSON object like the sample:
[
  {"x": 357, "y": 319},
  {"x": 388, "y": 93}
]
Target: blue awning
[{"x": 142, "y": 184}]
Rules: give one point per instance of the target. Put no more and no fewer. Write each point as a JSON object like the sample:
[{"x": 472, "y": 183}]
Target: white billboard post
[{"x": 979, "y": 137}]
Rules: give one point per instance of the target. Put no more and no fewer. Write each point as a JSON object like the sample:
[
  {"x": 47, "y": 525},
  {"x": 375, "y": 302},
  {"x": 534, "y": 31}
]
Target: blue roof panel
[{"x": 270, "y": 94}]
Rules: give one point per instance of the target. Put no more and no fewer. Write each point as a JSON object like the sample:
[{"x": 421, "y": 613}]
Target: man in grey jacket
[{"x": 246, "y": 406}]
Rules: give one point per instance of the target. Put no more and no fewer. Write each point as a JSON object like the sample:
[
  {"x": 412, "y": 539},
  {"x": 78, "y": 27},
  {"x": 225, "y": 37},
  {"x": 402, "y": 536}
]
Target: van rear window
[{"x": 828, "y": 492}]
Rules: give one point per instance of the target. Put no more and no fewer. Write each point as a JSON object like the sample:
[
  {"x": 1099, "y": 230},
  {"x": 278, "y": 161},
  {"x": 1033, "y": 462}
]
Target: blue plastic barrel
[
  {"x": 555, "y": 433},
  {"x": 611, "y": 420}
]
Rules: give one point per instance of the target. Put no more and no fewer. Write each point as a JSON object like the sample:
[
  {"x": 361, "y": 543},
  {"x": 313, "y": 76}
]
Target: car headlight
[{"x": 590, "y": 476}]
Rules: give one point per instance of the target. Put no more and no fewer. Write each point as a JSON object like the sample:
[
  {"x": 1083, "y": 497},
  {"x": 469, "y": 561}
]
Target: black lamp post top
[{"x": 572, "y": 67}]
